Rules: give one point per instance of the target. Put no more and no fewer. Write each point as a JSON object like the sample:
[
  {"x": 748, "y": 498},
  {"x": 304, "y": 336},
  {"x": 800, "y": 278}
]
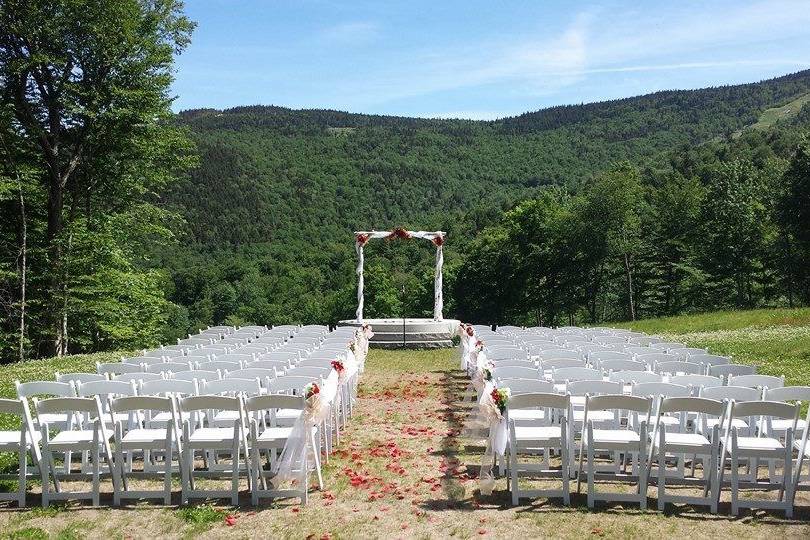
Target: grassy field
[{"x": 402, "y": 469}]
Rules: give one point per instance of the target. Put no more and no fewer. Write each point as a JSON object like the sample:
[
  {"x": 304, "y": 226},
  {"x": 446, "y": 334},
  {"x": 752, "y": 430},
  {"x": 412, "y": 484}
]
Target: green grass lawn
[{"x": 775, "y": 340}]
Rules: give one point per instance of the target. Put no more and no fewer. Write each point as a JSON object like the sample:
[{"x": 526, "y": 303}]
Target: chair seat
[
  {"x": 211, "y": 435},
  {"x": 12, "y": 438},
  {"x": 797, "y": 444},
  {"x": 163, "y": 417},
  {"x": 113, "y": 418},
  {"x": 225, "y": 418},
  {"x": 527, "y": 414},
  {"x": 275, "y": 434},
  {"x": 691, "y": 440},
  {"x": 144, "y": 436},
  {"x": 758, "y": 443},
  {"x": 537, "y": 433},
  {"x": 614, "y": 436},
  {"x": 80, "y": 437}
]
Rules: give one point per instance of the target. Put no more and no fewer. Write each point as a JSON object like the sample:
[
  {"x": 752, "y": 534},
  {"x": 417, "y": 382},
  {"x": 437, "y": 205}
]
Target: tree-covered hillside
[{"x": 271, "y": 208}]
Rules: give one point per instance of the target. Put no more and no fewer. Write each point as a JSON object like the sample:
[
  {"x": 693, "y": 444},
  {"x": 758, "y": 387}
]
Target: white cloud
[{"x": 351, "y": 33}]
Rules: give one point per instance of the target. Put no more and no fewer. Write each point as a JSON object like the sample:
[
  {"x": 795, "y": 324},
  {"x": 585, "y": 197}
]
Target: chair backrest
[
  {"x": 273, "y": 402},
  {"x": 788, "y": 393},
  {"x": 106, "y": 389},
  {"x": 657, "y": 389},
  {"x": 44, "y": 388},
  {"x": 678, "y": 367},
  {"x": 90, "y": 405},
  {"x": 197, "y": 375},
  {"x": 726, "y": 370},
  {"x": 506, "y": 353},
  {"x": 538, "y": 400},
  {"x": 141, "y": 403},
  {"x": 773, "y": 409},
  {"x": 290, "y": 383},
  {"x": 193, "y": 358},
  {"x": 757, "y": 381},
  {"x": 558, "y": 354},
  {"x": 217, "y": 365},
  {"x": 210, "y": 402},
  {"x": 621, "y": 365},
  {"x": 141, "y": 360},
  {"x": 516, "y": 372},
  {"x": 523, "y": 386},
  {"x": 696, "y": 381},
  {"x": 281, "y": 356},
  {"x": 514, "y": 363},
  {"x": 636, "y": 350},
  {"x": 251, "y": 350},
  {"x": 598, "y": 357},
  {"x": 231, "y": 386},
  {"x": 670, "y": 405},
  {"x": 138, "y": 376},
  {"x": 686, "y": 353},
  {"x": 118, "y": 368},
  {"x": 212, "y": 351},
  {"x": 652, "y": 359},
  {"x": 166, "y": 387},
  {"x": 645, "y": 341},
  {"x": 618, "y": 402},
  {"x": 260, "y": 374},
  {"x": 737, "y": 393},
  {"x": 581, "y": 388},
  {"x": 310, "y": 371},
  {"x": 635, "y": 376},
  {"x": 79, "y": 377},
  {"x": 560, "y": 363},
  {"x": 610, "y": 339},
  {"x": 239, "y": 357},
  {"x": 576, "y": 374},
  {"x": 709, "y": 360},
  {"x": 667, "y": 345},
  {"x": 169, "y": 367}
]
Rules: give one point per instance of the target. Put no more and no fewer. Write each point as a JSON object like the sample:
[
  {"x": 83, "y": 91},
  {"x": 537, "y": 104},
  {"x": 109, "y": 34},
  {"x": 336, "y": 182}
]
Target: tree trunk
[
  {"x": 54, "y": 231},
  {"x": 629, "y": 274},
  {"x": 23, "y": 267}
]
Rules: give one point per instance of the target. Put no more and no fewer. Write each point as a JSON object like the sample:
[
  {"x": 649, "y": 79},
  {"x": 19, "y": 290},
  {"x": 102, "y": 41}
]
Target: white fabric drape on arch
[{"x": 438, "y": 294}]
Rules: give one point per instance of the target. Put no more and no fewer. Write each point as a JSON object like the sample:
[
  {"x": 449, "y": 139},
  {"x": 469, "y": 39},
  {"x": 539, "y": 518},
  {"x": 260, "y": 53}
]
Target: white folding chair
[
  {"x": 267, "y": 436},
  {"x": 709, "y": 360},
  {"x": 141, "y": 360},
  {"x": 696, "y": 382},
  {"x": 138, "y": 377},
  {"x": 198, "y": 375},
  {"x": 78, "y": 377},
  {"x": 21, "y": 442},
  {"x": 621, "y": 365},
  {"x": 516, "y": 372},
  {"x": 756, "y": 446},
  {"x": 106, "y": 390},
  {"x": 540, "y": 436},
  {"x": 624, "y": 442},
  {"x": 39, "y": 389},
  {"x": 219, "y": 366},
  {"x": 262, "y": 375},
  {"x": 80, "y": 435},
  {"x": 732, "y": 370},
  {"x": 118, "y": 368},
  {"x": 229, "y": 387},
  {"x": 669, "y": 439},
  {"x": 211, "y": 441},
  {"x": 686, "y": 353},
  {"x": 757, "y": 381},
  {"x": 169, "y": 367},
  {"x": 131, "y": 437},
  {"x": 679, "y": 367},
  {"x": 631, "y": 377}
]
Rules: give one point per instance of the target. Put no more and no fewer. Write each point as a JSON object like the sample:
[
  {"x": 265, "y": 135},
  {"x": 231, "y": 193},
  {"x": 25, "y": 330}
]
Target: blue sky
[{"x": 478, "y": 59}]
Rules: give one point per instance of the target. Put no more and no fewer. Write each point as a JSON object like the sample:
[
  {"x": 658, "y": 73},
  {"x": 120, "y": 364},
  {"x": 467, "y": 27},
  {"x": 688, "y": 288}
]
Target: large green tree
[{"x": 88, "y": 82}]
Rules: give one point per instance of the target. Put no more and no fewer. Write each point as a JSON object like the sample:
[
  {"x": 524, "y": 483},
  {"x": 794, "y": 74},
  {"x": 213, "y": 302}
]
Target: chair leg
[
  {"x": 591, "y": 470},
  {"x": 235, "y": 459},
  {"x": 167, "y": 478},
  {"x": 662, "y": 472},
  {"x": 317, "y": 461},
  {"x": 735, "y": 477},
  {"x": 96, "y": 469},
  {"x": 23, "y": 473},
  {"x": 564, "y": 468},
  {"x": 513, "y": 474}
]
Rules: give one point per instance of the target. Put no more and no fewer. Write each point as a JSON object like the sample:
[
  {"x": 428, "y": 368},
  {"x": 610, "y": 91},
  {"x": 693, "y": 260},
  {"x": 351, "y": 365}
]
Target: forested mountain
[{"x": 272, "y": 205}]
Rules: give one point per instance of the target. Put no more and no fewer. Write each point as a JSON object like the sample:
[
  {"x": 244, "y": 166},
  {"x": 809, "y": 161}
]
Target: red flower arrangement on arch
[
  {"x": 337, "y": 365},
  {"x": 400, "y": 233},
  {"x": 438, "y": 241},
  {"x": 362, "y": 238}
]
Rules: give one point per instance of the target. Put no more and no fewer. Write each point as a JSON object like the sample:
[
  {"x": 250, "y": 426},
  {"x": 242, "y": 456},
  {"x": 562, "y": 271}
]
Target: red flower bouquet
[
  {"x": 438, "y": 241},
  {"x": 470, "y": 331},
  {"x": 501, "y": 397},
  {"x": 400, "y": 233},
  {"x": 311, "y": 389},
  {"x": 338, "y": 366},
  {"x": 362, "y": 239}
]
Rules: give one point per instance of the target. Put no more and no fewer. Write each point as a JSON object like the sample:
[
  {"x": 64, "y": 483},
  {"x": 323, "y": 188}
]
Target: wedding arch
[{"x": 361, "y": 238}]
